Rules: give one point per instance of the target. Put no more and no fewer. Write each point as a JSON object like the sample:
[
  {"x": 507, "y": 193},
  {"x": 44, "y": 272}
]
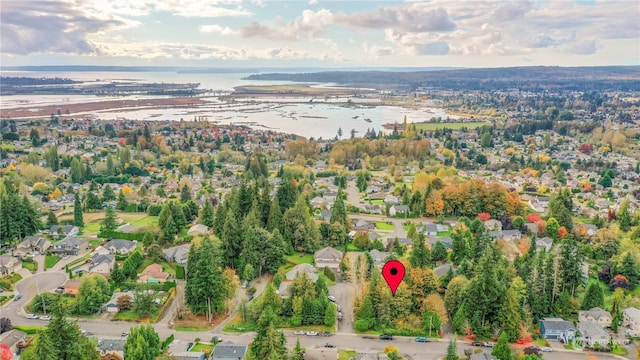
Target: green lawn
[
  {"x": 300, "y": 258},
  {"x": 191, "y": 328},
  {"x": 94, "y": 228},
  {"x": 147, "y": 220},
  {"x": 31, "y": 266},
  {"x": 50, "y": 261},
  {"x": 165, "y": 266},
  {"x": 381, "y": 225},
  {"x": 131, "y": 315},
  {"x": 376, "y": 201},
  {"x": 94, "y": 243},
  {"x": 5, "y": 299},
  {"x": 619, "y": 350},
  {"x": 202, "y": 347},
  {"x": 449, "y": 125},
  {"x": 29, "y": 330},
  {"x": 346, "y": 354}
]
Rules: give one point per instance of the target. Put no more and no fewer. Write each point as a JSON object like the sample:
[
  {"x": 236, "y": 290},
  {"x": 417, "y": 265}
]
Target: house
[
  {"x": 395, "y": 210},
  {"x": 363, "y": 225},
  {"x": 122, "y": 247},
  {"x": 11, "y": 338},
  {"x": 9, "y": 264},
  {"x": 431, "y": 230},
  {"x": 198, "y": 230},
  {"x": 283, "y": 289},
  {"x": 372, "y": 209},
  {"x": 112, "y": 346},
  {"x": 101, "y": 264},
  {"x": 443, "y": 269},
  {"x": 226, "y": 351},
  {"x": 302, "y": 268},
  {"x": 391, "y": 200},
  {"x": 493, "y": 224},
  {"x": 631, "y": 320},
  {"x": 33, "y": 243},
  {"x": 328, "y": 257},
  {"x": 128, "y": 228},
  {"x": 379, "y": 257},
  {"x": 557, "y": 329},
  {"x": 544, "y": 243},
  {"x": 532, "y": 227},
  {"x": 511, "y": 235},
  {"x": 189, "y": 355},
  {"x": 64, "y": 230},
  {"x": 318, "y": 202},
  {"x": 371, "y": 356},
  {"x": 595, "y": 315},
  {"x": 482, "y": 356},
  {"x": 153, "y": 274},
  {"x": 445, "y": 240},
  {"x": 178, "y": 254},
  {"x": 593, "y": 335},
  {"x": 112, "y": 305},
  {"x": 71, "y": 286},
  {"x": 70, "y": 246}
]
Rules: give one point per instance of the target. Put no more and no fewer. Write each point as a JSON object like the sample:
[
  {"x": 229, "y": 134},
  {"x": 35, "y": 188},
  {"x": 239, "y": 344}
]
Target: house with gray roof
[
  {"x": 379, "y": 257},
  {"x": 70, "y": 246},
  {"x": 557, "y": 329},
  {"x": 302, "y": 268},
  {"x": 33, "y": 243},
  {"x": 397, "y": 210},
  {"x": 189, "y": 355},
  {"x": 102, "y": 264},
  {"x": 122, "y": 247},
  {"x": 482, "y": 356},
  {"x": 178, "y": 254},
  {"x": 64, "y": 230},
  {"x": 631, "y": 321},
  {"x": 592, "y": 334},
  {"x": 328, "y": 257},
  {"x": 544, "y": 243},
  {"x": 228, "y": 351},
  {"x": 112, "y": 345},
  {"x": 595, "y": 315}
]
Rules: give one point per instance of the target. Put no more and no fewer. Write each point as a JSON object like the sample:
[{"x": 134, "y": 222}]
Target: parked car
[
  {"x": 324, "y": 333},
  {"x": 1, "y": 290},
  {"x": 385, "y": 337},
  {"x": 45, "y": 317},
  {"x": 489, "y": 344},
  {"x": 32, "y": 316},
  {"x": 626, "y": 342},
  {"x": 217, "y": 339},
  {"x": 298, "y": 332},
  {"x": 332, "y": 298},
  {"x": 477, "y": 343},
  {"x": 339, "y": 316},
  {"x": 18, "y": 297},
  {"x": 546, "y": 349},
  {"x": 60, "y": 289},
  {"x": 339, "y": 308},
  {"x": 329, "y": 345},
  {"x": 422, "y": 339},
  {"x": 312, "y": 333},
  {"x": 65, "y": 257},
  {"x": 245, "y": 284}
]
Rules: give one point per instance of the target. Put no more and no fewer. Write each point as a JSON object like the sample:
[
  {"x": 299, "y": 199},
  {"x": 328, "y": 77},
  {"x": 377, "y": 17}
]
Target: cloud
[
  {"x": 29, "y": 27},
  {"x": 185, "y": 8},
  {"x": 511, "y": 11},
  {"x": 582, "y": 47},
  {"x": 540, "y": 40},
  {"x": 313, "y": 2},
  {"x": 309, "y": 24},
  {"x": 377, "y": 51},
  {"x": 434, "y": 48},
  {"x": 414, "y": 17},
  {"x": 217, "y": 29}
]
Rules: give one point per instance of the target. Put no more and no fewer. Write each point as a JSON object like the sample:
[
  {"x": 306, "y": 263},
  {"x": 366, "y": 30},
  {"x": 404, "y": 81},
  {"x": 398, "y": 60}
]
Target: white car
[
  {"x": 32, "y": 316},
  {"x": 65, "y": 257},
  {"x": 546, "y": 349},
  {"x": 312, "y": 333},
  {"x": 45, "y": 317},
  {"x": 332, "y": 298},
  {"x": 298, "y": 332}
]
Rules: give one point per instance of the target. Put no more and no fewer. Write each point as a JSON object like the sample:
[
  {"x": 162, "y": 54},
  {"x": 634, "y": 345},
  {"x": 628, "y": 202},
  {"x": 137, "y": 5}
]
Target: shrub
[
  {"x": 328, "y": 273},
  {"x": 179, "y": 272}
]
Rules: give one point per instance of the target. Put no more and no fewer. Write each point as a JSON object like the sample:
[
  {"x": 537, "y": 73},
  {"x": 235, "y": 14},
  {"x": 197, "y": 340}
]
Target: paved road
[
  {"x": 353, "y": 195},
  {"x": 28, "y": 288}
]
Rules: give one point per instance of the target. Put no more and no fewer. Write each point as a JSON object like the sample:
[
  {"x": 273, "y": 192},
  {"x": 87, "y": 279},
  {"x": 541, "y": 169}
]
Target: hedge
[
  {"x": 121, "y": 235},
  {"x": 179, "y": 272}
]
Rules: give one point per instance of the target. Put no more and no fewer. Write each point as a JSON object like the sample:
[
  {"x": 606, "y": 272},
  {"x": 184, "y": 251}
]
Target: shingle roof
[{"x": 229, "y": 351}]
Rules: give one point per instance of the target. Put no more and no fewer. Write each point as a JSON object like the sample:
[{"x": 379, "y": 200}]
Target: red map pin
[{"x": 393, "y": 273}]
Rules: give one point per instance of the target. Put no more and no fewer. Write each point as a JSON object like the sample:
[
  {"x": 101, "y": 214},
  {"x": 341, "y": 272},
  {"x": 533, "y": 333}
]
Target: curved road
[{"x": 28, "y": 288}]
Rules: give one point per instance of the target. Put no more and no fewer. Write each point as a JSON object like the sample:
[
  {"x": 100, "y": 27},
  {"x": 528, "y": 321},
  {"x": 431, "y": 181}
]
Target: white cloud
[
  {"x": 185, "y": 8},
  {"x": 413, "y": 17},
  {"x": 217, "y": 29},
  {"x": 582, "y": 47},
  {"x": 309, "y": 24},
  {"x": 313, "y": 2}
]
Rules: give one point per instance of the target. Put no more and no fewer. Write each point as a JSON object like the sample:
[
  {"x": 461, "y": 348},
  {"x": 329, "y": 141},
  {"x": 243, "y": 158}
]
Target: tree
[
  {"x": 93, "y": 202},
  {"x": 593, "y": 297},
  {"x": 109, "y": 221},
  {"x": 298, "y": 351},
  {"x": 510, "y": 316},
  {"x": 452, "y": 352},
  {"x": 143, "y": 343},
  {"x": 51, "y": 219},
  {"x": 185, "y": 193},
  {"x": 144, "y": 301},
  {"x": 420, "y": 256},
  {"x": 52, "y": 158},
  {"x": 78, "y": 219},
  {"x": 439, "y": 252},
  {"x": 116, "y": 275},
  {"x": 552, "y": 228},
  {"x": 76, "y": 171},
  {"x": 207, "y": 216},
  {"x": 124, "y": 302},
  {"x": 204, "y": 279},
  {"x": 93, "y": 291},
  {"x": 339, "y": 212},
  {"x": 122, "y": 201},
  {"x": 274, "y": 220},
  {"x": 329, "y": 316},
  {"x": 624, "y": 215},
  {"x": 5, "y": 325},
  {"x": 108, "y": 194},
  {"x": 502, "y": 351},
  {"x": 269, "y": 342}
]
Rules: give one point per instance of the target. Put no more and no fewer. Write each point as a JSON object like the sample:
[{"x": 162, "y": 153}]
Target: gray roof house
[
  {"x": 65, "y": 230},
  {"x": 303, "y": 268},
  {"x": 328, "y": 257},
  {"x": 631, "y": 320},
  {"x": 544, "y": 243},
  {"x": 557, "y": 329},
  {"x": 189, "y": 355},
  {"x": 102, "y": 264},
  {"x": 595, "y": 315},
  {"x": 179, "y": 254},
  {"x": 379, "y": 257},
  {"x": 363, "y": 225},
  {"x": 119, "y": 246},
  {"x": 482, "y": 356},
  {"x": 591, "y": 334},
  {"x": 33, "y": 243},
  {"x": 112, "y": 304},
  {"x": 396, "y": 210},
  {"x": 70, "y": 246},
  {"x": 109, "y": 345},
  {"x": 226, "y": 351}
]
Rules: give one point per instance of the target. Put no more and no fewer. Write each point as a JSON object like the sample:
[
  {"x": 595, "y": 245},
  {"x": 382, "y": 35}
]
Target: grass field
[
  {"x": 50, "y": 261},
  {"x": 346, "y": 354},
  {"x": 31, "y": 266},
  {"x": 300, "y": 258},
  {"x": 191, "y": 328},
  {"x": 92, "y": 219},
  {"x": 449, "y": 125},
  {"x": 381, "y": 225},
  {"x": 202, "y": 347}
]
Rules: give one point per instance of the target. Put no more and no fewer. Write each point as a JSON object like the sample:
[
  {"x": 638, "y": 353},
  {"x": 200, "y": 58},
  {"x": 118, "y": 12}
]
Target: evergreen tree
[
  {"x": 52, "y": 158},
  {"x": 452, "y": 352},
  {"x": 143, "y": 343},
  {"x": 502, "y": 351},
  {"x": 629, "y": 268},
  {"x": 298, "y": 351},
  {"x": 108, "y": 194},
  {"x": 204, "y": 279},
  {"x": 274, "y": 252},
  {"x": 461, "y": 247},
  {"x": 116, "y": 275},
  {"x": 76, "y": 171},
  {"x": 220, "y": 218},
  {"x": 339, "y": 211},
  {"x": 510, "y": 316},
  {"x": 420, "y": 256},
  {"x": 78, "y": 219},
  {"x": 570, "y": 266},
  {"x": 185, "y": 193},
  {"x": 51, "y": 219},
  {"x": 593, "y": 297},
  {"x": 287, "y": 194},
  {"x": 439, "y": 252},
  {"x": 231, "y": 238},
  {"x": 109, "y": 222},
  {"x": 274, "y": 220},
  {"x": 93, "y": 202},
  {"x": 207, "y": 216},
  {"x": 560, "y": 207},
  {"x": 624, "y": 215},
  {"x": 269, "y": 343},
  {"x": 122, "y": 202}
]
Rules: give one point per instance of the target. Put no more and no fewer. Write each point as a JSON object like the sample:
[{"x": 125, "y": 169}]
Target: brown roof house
[
  {"x": 328, "y": 257},
  {"x": 153, "y": 274}
]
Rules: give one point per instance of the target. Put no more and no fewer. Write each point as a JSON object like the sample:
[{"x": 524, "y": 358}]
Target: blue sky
[{"x": 319, "y": 33}]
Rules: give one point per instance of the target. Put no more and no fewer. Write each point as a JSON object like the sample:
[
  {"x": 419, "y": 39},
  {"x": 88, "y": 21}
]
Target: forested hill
[{"x": 622, "y": 78}]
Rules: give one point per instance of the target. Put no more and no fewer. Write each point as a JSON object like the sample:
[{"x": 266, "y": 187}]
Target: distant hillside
[{"x": 621, "y": 78}]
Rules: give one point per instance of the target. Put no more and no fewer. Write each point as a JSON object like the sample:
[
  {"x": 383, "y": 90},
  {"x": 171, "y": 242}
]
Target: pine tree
[
  {"x": 108, "y": 194},
  {"x": 624, "y": 215},
  {"x": 78, "y": 219},
  {"x": 109, "y": 221},
  {"x": 502, "y": 351},
  {"x": 452, "y": 352},
  {"x": 143, "y": 343},
  {"x": 510, "y": 316},
  {"x": 185, "y": 193},
  {"x": 116, "y": 275},
  {"x": 51, "y": 219},
  {"x": 204, "y": 279},
  {"x": 274, "y": 221},
  {"x": 298, "y": 351},
  {"x": 339, "y": 211},
  {"x": 593, "y": 297},
  {"x": 439, "y": 252},
  {"x": 207, "y": 216},
  {"x": 122, "y": 202},
  {"x": 420, "y": 256}
]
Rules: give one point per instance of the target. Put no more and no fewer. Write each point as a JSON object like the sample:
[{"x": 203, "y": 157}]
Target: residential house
[
  {"x": 396, "y": 210},
  {"x": 321, "y": 353},
  {"x": 373, "y": 236},
  {"x": 371, "y": 356},
  {"x": 128, "y": 228},
  {"x": 631, "y": 320},
  {"x": 122, "y": 247},
  {"x": 431, "y": 230},
  {"x": 116, "y": 346},
  {"x": 101, "y": 264},
  {"x": 178, "y": 254},
  {"x": 71, "y": 286},
  {"x": 593, "y": 335},
  {"x": 70, "y": 246},
  {"x": 445, "y": 240},
  {"x": 443, "y": 269},
  {"x": 532, "y": 227},
  {"x": 595, "y": 315},
  {"x": 64, "y": 230},
  {"x": 227, "y": 351},
  {"x": 190, "y": 355},
  {"x": 112, "y": 305},
  {"x": 363, "y": 225},
  {"x": 391, "y": 200},
  {"x": 328, "y": 257},
  {"x": 33, "y": 243},
  {"x": 198, "y": 230},
  {"x": 482, "y": 356},
  {"x": 153, "y": 274},
  {"x": 372, "y": 209},
  {"x": 283, "y": 289},
  {"x": 557, "y": 329},
  {"x": 493, "y": 225},
  {"x": 9, "y": 264},
  {"x": 511, "y": 235},
  {"x": 318, "y": 202},
  {"x": 302, "y": 269},
  {"x": 379, "y": 257},
  {"x": 544, "y": 243}
]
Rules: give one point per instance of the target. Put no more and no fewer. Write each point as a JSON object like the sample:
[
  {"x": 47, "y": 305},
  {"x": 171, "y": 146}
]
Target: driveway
[{"x": 353, "y": 195}]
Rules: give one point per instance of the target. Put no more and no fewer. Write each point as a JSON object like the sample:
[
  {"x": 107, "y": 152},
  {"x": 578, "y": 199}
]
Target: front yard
[
  {"x": 50, "y": 261},
  {"x": 300, "y": 258},
  {"x": 381, "y": 225}
]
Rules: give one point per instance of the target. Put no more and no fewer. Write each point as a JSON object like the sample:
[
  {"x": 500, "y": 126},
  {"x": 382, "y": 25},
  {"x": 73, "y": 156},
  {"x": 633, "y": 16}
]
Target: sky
[{"x": 254, "y": 33}]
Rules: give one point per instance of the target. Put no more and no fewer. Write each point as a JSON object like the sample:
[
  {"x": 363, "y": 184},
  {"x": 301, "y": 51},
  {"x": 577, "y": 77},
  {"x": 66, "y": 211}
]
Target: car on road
[
  {"x": 245, "y": 284},
  {"x": 339, "y": 308},
  {"x": 45, "y": 317},
  {"x": 312, "y": 333},
  {"x": 32, "y": 316},
  {"x": 217, "y": 339},
  {"x": 298, "y": 332},
  {"x": 332, "y": 298},
  {"x": 422, "y": 339},
  {"x": 18, "y": 297},
  {"x": 83, "y": 331},
  {"x": 339, "y": 316},
  {"x": 124, "y": 334},
  {"x": 60, "y": 289},
  {"x": 329, "y": 345},
  {"x": 626, "y": 342},
  {"x": 477, "y": 343},
  {"x": 385, "y": 337},
  {"x": 65, "y": 257},
  {"x": 489, "y": 344},
  {"x": 324, "y": 333},
  {"x": 546, "y": 349},
  {"x": 1, "y": 290}
]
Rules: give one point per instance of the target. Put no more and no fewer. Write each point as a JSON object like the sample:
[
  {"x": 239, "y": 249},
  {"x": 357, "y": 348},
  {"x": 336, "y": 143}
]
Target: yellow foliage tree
[
  {"x": 126, "y": 189},
  {"x": 11, "y": 167},
  {"x": 56, "y": 193}
]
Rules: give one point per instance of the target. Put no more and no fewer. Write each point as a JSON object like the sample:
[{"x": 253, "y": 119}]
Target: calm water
[{"x": 292, "y": 115}]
